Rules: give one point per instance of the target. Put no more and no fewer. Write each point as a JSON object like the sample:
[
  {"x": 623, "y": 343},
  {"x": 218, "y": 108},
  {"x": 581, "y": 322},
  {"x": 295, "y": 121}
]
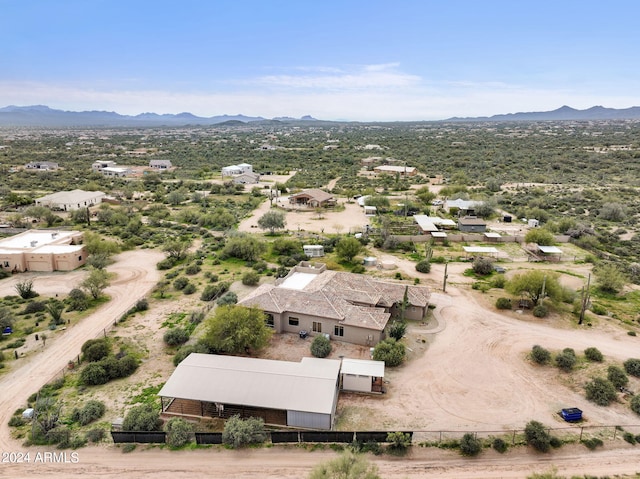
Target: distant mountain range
[
  {"x": 563, "y": 113},
  {"x": 43, "y": 116}
]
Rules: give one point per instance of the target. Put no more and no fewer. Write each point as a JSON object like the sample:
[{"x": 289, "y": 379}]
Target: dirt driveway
[{"x": 136, "y": 275}]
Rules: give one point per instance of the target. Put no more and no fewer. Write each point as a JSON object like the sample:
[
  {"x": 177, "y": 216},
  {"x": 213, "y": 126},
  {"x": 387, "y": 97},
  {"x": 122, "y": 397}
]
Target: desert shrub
[
  {"x": 321, "y": 346},
  {"x": 398, "y": 441},
  {"x": 632, "y": 366},
  {"x": 227, "y": 298},
  {"x": 180, "y": 283},
  {"x": 592, "y": 442},
  {"x": 635, "y": 404},
  {"x": 34, "y": 307},
  {"x": 166, "y": 263},
  {"x": 540, "y": 355},
  {"x": 503, "y": 303},
  {"x": 358, "y": 269},
  {"x": 555, "y": 442},
  {"x": 95, "y": 435},
  {"x": 240, "y": 432},
  {"x": 95, "y": 349},
  {"x": 537, "y": 436},
  {"x": 250, "y": 278},
  {"x": 617, "y": 376},
  {"x": 598, "y": 309},
  {"x": 186, "y": 350},
  {"x": 540, "y": 311},
  {"x": 499, "y": 445},
  {"x": 142, "y": 304},
  {"x": 142, "y": 418},
  {"x": 423, "y": 266},
  {"x": 127, "y": 366},
  {"x": 482, "y": 266},
  {"x": 94, "y": 374},
  {"x": 190, "y": 289},
  {"x": 17, "y": 421},
  {"x": 629, "y": 437},
  {"x": 600, "y": 391},
  {"x": 192, "y": 269},
  {"x": 470, "y": 445},
  {"x": 593, "y": 354},
  {"x": 91, "y": 411},
  {"x": 213, "y": 291},
  {"x": 390, "y": 351},
  {"x": 566, "y": 360},
  {"x": 498, "y": 282},
  {"x": 179, "y": 432},
  {"x": 175, "y": 337}
]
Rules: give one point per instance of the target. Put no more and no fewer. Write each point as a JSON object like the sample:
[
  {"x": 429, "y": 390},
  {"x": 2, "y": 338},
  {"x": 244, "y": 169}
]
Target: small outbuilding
[
  {"x": 313, "y": 250},
  {"x": 472, "y": 224},
  {"x": 362, "y": 375}
]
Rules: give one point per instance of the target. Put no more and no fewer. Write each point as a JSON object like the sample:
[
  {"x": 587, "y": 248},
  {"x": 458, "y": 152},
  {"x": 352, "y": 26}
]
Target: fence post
[
  {"x": 440, "y": 437},
  {"x": 513, "y": 440},
  {"x": 615, "y": 430},
  {"x": 581, "y": 429}
]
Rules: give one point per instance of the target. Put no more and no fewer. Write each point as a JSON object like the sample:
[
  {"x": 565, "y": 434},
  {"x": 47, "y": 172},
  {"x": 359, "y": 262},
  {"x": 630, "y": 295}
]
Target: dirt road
[{"x": 136, "y": 275}]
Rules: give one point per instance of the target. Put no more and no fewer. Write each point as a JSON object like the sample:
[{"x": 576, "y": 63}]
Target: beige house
[
  {"x": 348, "y": 307},
  {"x": 313, "y": 197},
  {"x": 42, "y": 250},
  {"x": 71, "y": 200}
]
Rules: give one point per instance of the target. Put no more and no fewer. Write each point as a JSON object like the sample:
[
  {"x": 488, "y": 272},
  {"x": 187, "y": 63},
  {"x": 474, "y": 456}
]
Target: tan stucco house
[{"x": 348, "y": 307}]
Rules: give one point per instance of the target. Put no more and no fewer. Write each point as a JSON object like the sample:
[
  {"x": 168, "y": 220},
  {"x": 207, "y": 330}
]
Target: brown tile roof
[
  {"x": 354, "y": 299},
  {"x": 314, "y": 193}
]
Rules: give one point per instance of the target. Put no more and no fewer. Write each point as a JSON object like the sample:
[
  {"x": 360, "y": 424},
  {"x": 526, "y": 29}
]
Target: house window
[
  {"x": 317, "y": 327},
  {"x": 293, "y": 321},
  {"x": 79, "y": 258},
  {"x": 269, "y": 320},
  {"x": 6, "y": 264},
  {"x": 338, "y": 330}
]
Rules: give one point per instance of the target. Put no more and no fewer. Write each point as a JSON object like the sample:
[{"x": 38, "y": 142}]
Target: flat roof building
[{"x": 42, "y": 250}]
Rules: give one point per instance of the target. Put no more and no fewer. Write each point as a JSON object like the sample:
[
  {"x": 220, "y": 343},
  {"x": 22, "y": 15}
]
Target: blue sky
[{"x": 335, "y": 60}]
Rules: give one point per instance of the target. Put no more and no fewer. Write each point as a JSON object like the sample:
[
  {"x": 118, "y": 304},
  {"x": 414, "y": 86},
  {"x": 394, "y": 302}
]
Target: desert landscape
[{"x": 467, "y": 371}]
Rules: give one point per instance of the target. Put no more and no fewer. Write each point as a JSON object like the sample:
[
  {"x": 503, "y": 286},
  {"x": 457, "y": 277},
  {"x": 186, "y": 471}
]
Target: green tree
[
  {"x": 390, "y": 351},
  {"x": 272, "y": 220},
  {"x": 321, "y": 346},
  {"x": 346, "y": 466},
  {"x": 600, "y": 391},
  {"x": 348, "y": 248},
  {"x": 248, "y": 248},
  {"x": 537, "y": 436},
  {"x": 399, "y": 441},
  {"x": 540, "y": 236},
  {"x": 179, "y": 432},
  {"x": 176, "y": 249},
  {"x": 635, "y": 404},
  {"x": 46, "y": 416},
  {"x": 250, "y": 278},
  {"x": 610, "y": 278},
  {"x": 240, "y": 432},
  {"x": 534, "y": 284},
  {"x": 397, "y": 330},
  {"x": 95, "y": 282},
  {"x": 423, "y": 266},
  {"x": 143, "y": 417},
  {"x": 235, "y": 329}
]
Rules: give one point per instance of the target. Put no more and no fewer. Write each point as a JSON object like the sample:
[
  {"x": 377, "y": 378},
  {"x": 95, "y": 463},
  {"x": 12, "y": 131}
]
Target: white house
[
  {"x": 234, "y": 170},
  {"x": 71, "y": 200},
  {"x": 160, "y": 164}
]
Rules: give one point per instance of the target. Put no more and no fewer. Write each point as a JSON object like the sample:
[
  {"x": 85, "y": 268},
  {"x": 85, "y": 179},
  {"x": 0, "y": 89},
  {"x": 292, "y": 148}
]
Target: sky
[{"x": 354, "y": 60}]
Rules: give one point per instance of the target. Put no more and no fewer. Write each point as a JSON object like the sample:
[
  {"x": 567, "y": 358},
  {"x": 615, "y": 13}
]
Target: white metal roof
[
  {"x": 74, "y": 196},
  {"x": 492, "y": 235},
  {"x": 307, "y": 386},
  {"x": 480, "y": 249},
  {"x": 438, "y": 234},
  {"x": 363, "y": 367},
  {"x": 550, "y": 249}
]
